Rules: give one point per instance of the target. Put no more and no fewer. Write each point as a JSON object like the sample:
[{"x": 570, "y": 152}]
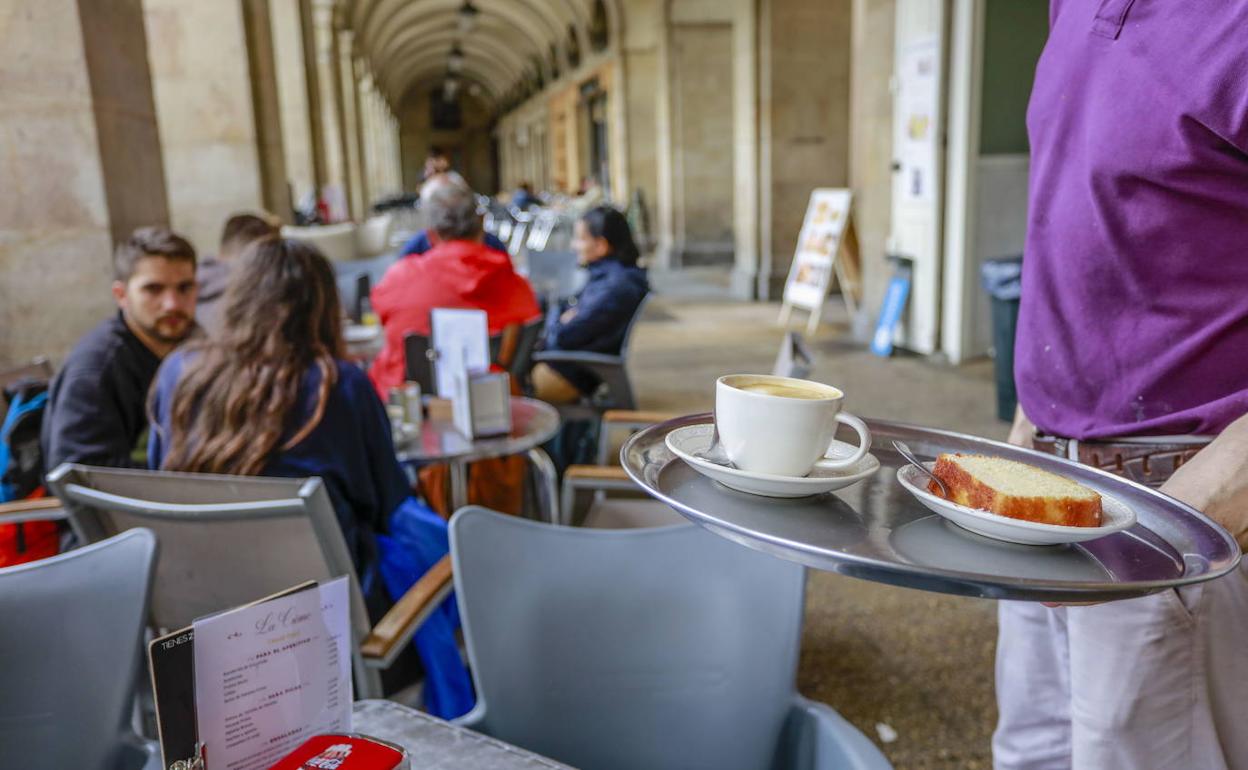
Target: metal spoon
[
  {"x": 905, "y": 452},
  {"x": 715, "y": 452}
]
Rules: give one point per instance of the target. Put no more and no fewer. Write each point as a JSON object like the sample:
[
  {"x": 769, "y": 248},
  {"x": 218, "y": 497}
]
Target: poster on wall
[
  {"x": 920, "y": 68},
  {"x": 818, "y": 245}
]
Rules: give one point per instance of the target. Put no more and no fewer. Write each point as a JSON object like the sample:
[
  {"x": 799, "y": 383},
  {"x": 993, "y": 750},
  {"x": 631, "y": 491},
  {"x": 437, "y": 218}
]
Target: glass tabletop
[{"x": 533, "y": 423}]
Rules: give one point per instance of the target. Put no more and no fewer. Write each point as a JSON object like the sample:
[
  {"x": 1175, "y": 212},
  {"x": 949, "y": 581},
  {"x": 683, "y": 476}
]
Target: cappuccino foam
[{"x": 784, "y": 390}]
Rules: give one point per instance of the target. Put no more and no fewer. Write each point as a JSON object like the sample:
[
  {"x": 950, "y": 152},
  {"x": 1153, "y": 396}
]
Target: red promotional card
[{"x": 344, "y": 752}]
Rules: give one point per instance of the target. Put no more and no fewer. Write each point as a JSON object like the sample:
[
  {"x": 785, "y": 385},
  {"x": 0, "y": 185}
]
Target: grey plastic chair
[
  {"x": 616, "y": 390},
  {"x": 645, "y": 648},
  {"x": 229, "y": 540},
  {"x": 70, "y": 648}
]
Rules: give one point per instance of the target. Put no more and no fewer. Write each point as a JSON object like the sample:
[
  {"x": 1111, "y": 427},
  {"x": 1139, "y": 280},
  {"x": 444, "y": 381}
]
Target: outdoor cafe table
[
  {"x": 433, "y": 744},
  {"x": 533, "y": 423}
]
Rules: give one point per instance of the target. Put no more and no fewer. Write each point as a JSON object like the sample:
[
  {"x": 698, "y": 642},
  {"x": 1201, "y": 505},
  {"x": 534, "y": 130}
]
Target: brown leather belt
[{"x": 1148, "y": 461}]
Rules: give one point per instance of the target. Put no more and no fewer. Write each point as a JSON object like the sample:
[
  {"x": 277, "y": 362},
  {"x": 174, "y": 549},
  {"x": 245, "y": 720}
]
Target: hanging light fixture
[
  {"x": 450, "y": 87},
  {"x": 455, "y": 61},
  {"x": 467, "y": 14}
]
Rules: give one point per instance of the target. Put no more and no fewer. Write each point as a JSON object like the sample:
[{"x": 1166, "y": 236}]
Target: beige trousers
[
  {"x": 1156, "y": 683},
  {"x": 551, "y": 387}
]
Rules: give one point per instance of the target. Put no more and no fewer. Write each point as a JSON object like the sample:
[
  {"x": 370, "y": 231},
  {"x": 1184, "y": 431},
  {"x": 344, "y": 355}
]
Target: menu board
[
  {"x": 820, "y": 243},
  {"x": 272, "y": 675}
]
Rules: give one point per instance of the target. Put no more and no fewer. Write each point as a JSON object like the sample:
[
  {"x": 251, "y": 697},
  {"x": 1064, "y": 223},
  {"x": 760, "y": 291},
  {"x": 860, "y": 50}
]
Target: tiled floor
[{"x": 920, "y": 663}]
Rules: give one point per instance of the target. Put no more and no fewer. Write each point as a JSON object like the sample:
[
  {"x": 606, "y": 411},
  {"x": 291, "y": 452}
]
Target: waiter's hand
[
  {"x": 1022, "y": 431},
  {"x": 1021, "y": 434},
  {"x": 1215, "y": 481}
]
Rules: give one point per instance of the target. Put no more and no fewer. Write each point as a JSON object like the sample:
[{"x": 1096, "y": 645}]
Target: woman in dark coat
[{"x": 597, "y": 319}]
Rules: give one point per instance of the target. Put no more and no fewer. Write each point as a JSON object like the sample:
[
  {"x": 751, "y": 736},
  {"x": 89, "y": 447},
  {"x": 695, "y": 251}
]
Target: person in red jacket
[{"x": 460, "y": 271}]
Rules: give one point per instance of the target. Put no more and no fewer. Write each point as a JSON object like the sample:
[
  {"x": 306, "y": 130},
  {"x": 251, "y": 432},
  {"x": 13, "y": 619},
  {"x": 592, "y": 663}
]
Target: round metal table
[
  {"x": 877, "y": 531},
  {"x": 533, "y": 423}
]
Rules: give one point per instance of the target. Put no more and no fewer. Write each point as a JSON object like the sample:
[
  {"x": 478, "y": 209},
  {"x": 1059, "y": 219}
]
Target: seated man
[
  {"x": 97, "y": 403},
  {"x": 214, "y": 272},
  {"x": 424, "y": 240},
  {"x": 460, "y": 271}
]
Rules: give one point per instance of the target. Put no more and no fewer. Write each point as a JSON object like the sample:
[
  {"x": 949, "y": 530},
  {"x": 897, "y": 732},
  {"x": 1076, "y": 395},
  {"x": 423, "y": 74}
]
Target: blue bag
[
  {"x": 418, "y": 540},
  {"x": 21, "y": 460}
]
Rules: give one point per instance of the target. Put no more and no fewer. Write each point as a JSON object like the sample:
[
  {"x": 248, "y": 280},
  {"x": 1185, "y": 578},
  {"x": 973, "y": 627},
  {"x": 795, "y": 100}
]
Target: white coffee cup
[{"x": 781, "y": 425}]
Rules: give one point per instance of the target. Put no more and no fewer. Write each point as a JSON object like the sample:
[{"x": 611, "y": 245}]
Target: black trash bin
[{"x": 1003, "y": 279}]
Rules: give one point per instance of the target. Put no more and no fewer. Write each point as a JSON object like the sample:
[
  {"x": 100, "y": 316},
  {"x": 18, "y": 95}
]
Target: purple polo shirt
[{"x": 1134, "y": 316}]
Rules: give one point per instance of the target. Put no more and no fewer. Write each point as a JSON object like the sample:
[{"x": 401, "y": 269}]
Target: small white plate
[
  {"x": 1115, "y": 515},
  {"x": 697, "y": 438}
]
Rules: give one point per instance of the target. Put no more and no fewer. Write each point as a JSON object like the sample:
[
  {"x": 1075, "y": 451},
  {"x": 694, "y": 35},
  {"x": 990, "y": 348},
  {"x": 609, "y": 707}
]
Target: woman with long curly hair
[{"x": 271, "y": 395}]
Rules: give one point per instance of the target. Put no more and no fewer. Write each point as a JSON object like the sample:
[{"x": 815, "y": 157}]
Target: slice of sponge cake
[{"x": 1017, "y": 490}]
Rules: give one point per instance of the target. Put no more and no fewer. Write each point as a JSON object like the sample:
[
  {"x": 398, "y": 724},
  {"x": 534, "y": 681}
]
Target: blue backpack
[
  {"x": 21, "y": 459},
  {"x": 21, "y": 473}
]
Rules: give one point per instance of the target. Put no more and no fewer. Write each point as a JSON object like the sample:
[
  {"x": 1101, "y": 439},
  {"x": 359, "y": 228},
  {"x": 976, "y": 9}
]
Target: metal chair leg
[{"x": 550, "y": 492}]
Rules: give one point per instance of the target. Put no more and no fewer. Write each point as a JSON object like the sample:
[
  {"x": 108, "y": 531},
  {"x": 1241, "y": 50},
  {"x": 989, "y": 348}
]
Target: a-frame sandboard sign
[{"x": 827, "y": 248}]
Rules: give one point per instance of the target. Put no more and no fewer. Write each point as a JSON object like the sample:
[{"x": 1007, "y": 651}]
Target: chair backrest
[
  {"x": 632, "y": 326},
  {"x": 655, "y": 648},
  {"x": 515, "y": 243},
  {"x": 417, "y": 364},
  {"x": 225, "y": 540},
  {"x": 38, "y": 369},
  {"x": 373, "y": 236},
  {"x": 517, "y": 356},
  {"x": 336, "y": 242},
  {"x": 70, "y": 645},
  {"x": 555, "y": 275}
]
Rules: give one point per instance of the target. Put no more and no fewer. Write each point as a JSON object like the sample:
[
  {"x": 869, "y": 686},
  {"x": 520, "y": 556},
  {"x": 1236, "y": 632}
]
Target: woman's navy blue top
[
  {"x": 350, "y": 449},
  {"x": 604, "y": 308}
]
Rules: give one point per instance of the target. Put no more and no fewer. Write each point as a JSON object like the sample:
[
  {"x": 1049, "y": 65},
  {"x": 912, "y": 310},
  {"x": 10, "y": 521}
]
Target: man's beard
[{"x": 158, "y": 329}]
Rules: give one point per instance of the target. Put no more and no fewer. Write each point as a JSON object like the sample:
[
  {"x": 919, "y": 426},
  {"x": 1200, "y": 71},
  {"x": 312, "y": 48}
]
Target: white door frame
[{"x": 965, "y": 102}]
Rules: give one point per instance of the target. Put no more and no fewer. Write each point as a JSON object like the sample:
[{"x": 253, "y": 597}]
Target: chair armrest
[
  {"x": 595, "y": 473},
  {"x": 473, "y": 718},
  {"x": 580, "y": 478},
  {"x": 583, "y": 357},
  {"x": 815, "y": 737},
  {"x": 39, "y": 509},
  {"x": 636, "y": 419},
  {"x": 395, "y": 629}
]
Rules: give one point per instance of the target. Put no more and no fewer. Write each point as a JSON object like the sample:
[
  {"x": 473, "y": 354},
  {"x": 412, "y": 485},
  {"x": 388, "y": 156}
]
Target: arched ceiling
[{"x": 406, "y": 43}]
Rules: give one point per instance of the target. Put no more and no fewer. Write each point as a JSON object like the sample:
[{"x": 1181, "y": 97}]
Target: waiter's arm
[
  {"x": 1022, "y": 431},
  {"x": 1215, "y": 481}
]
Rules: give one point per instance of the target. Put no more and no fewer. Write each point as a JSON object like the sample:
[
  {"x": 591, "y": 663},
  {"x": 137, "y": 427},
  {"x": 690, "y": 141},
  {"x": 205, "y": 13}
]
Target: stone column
[
  {"x": 292, "y": 91},
  {"x": 198, "y": 57},
  {"x": 665, "y": 193},
  {"x": 804, "y": 70},
  {"x": 745, "y": 147},
  {"x": 81, "y": 166},
  {"x": 348, "y": 124},
  {"x": 312, "y": 79},
  {"x": 267, "y": 108},
  {"x": 871, "y": 138},
  {"x": 639, "y": 57},
  {"x": 364, "y": 138},
  {"x": 327, "y": 116}
]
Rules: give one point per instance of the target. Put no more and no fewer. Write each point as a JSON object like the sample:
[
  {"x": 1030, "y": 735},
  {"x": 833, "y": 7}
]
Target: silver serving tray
[{"x": 875, "y": 530}]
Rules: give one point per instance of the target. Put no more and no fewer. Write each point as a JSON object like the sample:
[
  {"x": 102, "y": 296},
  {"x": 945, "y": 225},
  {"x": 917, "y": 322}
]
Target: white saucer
[
  {"x": 356, "y": 333},
  {"x": 697, "y": 438},
  {"x": 1116, "y": 516}
]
